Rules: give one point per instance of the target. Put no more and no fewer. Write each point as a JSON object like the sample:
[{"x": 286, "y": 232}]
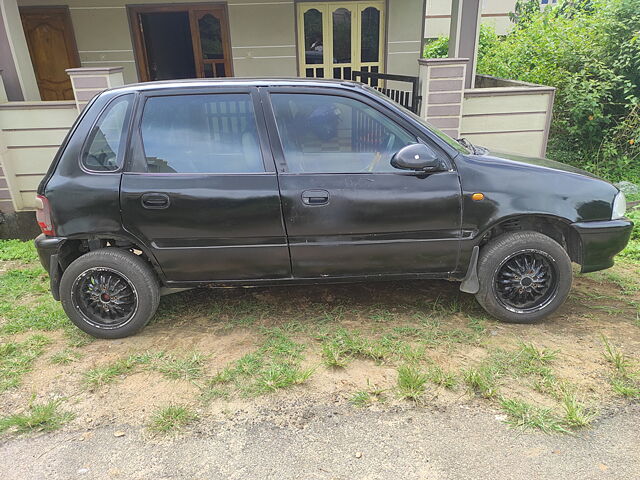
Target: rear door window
[{"x": 212, "y": 133}]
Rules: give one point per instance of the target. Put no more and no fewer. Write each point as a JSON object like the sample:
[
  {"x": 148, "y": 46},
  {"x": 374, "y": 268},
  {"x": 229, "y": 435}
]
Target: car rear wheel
[
  {"x": 524, "y": 277},
  {"x": 109, "y": 293}
]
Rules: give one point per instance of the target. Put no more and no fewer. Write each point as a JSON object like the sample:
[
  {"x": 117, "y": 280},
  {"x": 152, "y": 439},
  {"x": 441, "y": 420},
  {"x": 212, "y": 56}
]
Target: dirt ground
[{"x": 427, "y": 323}]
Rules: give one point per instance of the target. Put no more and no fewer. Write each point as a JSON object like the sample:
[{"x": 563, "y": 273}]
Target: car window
[
  {"x": 334, "y": 134},
  {"x": 104, "y": 150},
  {"x": 213, "y": 133}
]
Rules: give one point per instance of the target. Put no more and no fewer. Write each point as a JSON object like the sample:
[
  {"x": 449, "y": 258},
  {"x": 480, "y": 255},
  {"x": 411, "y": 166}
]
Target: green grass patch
[
  {"x": 65, "y": 357},
  {"x": 274, "y": 366},
  {"x": 625, "y": 380},
  {"x": 437, "y": 375},
  {"x": 411, "y": 382},
  {"x": 16, "y": 359},
  {"x": 38, "y": 418},
  {"x": 18, "y": 250},
  {"x": 186, "y": 367},
  {"x": 172, "y": 418},
  {"x": 526, "y": 416}
]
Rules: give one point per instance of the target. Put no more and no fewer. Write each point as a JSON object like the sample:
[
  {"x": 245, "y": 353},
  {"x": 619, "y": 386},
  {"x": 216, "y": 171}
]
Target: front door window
[{"x": 338, "y": 38}]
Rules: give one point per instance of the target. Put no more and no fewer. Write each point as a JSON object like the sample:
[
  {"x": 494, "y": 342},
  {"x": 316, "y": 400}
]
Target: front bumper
[
  {"x": 601, "y": 241},
  {"x": 48, "y": 248}
]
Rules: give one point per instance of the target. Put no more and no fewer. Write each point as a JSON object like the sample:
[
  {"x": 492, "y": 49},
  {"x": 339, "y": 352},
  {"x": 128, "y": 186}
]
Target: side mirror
[{"x": 417, "y": 157}]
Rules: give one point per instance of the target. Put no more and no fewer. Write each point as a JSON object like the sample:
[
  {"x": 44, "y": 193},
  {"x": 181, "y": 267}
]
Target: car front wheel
[
  {"x": 524, "y": 277},
  {"x": 109, "y": 293}
]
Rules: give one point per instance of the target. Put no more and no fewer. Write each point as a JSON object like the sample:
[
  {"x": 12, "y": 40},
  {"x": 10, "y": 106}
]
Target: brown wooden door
[
  {"x": 52, "y": 47},
  {"x": 211, "y": 50}
]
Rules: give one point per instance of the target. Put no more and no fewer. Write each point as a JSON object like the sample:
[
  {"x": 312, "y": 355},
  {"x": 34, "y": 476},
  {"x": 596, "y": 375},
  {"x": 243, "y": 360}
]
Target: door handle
[
  {"x": 155, "y": 200},
  {"x": 315, "y": 197}
]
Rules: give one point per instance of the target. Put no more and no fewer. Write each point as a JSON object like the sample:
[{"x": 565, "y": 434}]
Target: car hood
[{"x": 540, "y": 162}]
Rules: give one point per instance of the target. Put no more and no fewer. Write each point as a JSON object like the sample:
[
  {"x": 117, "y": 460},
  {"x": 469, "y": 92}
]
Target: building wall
[
  {"x": 263, "y": 34},
  {"x": 494, "y": 13},
  {"x": 30, "y": 135}
]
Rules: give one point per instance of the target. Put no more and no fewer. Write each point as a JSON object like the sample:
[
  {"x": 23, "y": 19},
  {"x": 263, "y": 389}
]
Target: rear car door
[
  {"x": 347, "y": 211},
  {"x": 200, "y": 190}
]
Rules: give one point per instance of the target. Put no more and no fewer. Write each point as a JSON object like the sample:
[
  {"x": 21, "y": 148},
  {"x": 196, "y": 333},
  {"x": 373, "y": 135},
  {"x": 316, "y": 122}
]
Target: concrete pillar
[
  {"x": 442, "y": 87},
  {"x": 20, "y": 78},
  {"x": 464, "y": 33},
  {"x": 87, "y": 82},
  {"x": 3, "y": 90}
]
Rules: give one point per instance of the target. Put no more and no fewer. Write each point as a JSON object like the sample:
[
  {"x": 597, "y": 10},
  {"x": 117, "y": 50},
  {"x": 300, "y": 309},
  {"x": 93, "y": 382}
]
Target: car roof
[{"x": 235, "y": 81}]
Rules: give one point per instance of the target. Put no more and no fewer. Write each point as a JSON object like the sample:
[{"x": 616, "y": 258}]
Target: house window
[{"x": 338, "y": 38}]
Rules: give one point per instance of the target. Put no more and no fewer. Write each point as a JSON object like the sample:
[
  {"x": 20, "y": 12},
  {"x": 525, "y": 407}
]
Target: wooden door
[
  {"x": 52, "y": 47},
  {"x": 211, "y": 49}
]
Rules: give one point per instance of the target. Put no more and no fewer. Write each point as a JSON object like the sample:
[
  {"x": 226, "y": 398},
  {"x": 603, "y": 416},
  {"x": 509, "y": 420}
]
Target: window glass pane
[
  {"x": 332, "y": 134},
  {"x": 313, "y": 48},
  {"x": 370, "y": 35},
  {"x": 104, "y": 151},
  {"x": 210, "y": 37},
  {"x": 201, "y": 134},
  {"x": 341, "y": 36}
]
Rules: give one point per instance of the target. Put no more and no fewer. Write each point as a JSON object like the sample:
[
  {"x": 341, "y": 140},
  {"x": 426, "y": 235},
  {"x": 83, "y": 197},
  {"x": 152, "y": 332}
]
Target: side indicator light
[{"x": 477, "y": 197}]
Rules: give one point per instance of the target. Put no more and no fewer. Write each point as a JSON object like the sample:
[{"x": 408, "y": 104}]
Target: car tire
[
  {"x": 109, "y": 293},
  {"x": 524, "y": 277}
]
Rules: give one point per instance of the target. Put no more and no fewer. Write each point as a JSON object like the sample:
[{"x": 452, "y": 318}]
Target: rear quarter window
[{"x": 104, "y": 149}]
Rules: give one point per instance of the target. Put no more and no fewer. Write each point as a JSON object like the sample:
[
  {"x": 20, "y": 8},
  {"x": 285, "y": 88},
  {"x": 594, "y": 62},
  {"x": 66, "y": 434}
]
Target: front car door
[
  {"x": 347, "y": 211},
  {"x": 201, "y": 191}
]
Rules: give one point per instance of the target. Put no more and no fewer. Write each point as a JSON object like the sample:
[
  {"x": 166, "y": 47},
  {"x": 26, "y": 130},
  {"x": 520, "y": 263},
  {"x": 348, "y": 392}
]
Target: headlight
[{"x": 619, "y": 206}]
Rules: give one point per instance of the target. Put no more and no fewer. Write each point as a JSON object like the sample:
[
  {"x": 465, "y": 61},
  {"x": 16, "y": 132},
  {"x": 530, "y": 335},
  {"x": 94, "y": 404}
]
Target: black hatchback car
[{"x": 262, "y": 182}]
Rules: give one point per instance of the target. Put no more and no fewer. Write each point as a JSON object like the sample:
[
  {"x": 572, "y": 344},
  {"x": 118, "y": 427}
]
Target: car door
[
  {"x": 347, "y": 211},
  {"x": 201, "y": 191}
]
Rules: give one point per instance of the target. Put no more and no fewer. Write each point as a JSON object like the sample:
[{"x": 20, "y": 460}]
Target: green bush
[{"x": 590, "y": 51}]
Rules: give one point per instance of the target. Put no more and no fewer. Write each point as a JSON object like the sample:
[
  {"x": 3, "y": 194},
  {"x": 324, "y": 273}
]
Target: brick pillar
[
  {"x": 87, "y": 82},
  {"x": 442, "y": 87}
]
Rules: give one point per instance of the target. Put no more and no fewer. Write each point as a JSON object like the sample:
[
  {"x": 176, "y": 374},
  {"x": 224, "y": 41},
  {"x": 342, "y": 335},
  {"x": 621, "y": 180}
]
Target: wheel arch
[{"x": 557, "y": 228}]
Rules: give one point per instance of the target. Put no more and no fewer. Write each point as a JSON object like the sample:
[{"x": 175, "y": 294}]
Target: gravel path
[{"x": 304, "y": 440}]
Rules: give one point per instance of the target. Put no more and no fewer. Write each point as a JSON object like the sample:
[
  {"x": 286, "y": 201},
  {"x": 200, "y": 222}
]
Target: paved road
[{"x": 315, "y": 441}]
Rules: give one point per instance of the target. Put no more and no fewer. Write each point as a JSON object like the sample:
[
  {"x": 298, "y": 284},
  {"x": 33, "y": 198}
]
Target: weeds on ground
[
  {"x": 625, "y": 380},
  {"x": 524, "y": 415},
  {"x": 275, "y": 365},
  {"x": 372, "y": 394},
  {"x": 411, "y": 382},
  {"x": 438, "y": 376},
  {"x": 38, "y": 418},
  {"x": 65, "y": 357},
  {"x": 172, "y": 418},
  {"x": 16, "y": 359}
]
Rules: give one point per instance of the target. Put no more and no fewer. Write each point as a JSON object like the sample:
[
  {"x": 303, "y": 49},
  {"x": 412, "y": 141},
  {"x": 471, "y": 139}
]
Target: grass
[
  {"x": 65, "y": 357},
  {"x": 625, "y": 380},
  {"x": 187, "y": 367},
  {"x": 526, "y": 416},
  {"x": 106, "y": 374},
  {"x": 16, "y": 359},
  {"x": 411, "y": 382},
  {"x": 274, "y": 366},
  {"x": 172, "y": 418},
  {"x": 437, "y": 375},
  {"x": 44, "y": 417},
  {"x": 18, "y": 250}
]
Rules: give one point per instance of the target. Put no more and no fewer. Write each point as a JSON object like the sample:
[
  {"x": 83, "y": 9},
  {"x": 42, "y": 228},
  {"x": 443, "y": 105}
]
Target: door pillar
[
  {"x": 15, "y": 60},
  {"x": 464, "y": 34}
]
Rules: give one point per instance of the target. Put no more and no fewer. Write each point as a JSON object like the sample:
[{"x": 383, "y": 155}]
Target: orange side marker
[{"x": 477, "y": 197}]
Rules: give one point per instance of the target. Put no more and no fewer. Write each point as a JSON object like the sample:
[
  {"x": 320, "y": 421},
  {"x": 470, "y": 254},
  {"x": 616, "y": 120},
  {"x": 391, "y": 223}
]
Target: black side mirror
[{"x": 417, "y": 157}]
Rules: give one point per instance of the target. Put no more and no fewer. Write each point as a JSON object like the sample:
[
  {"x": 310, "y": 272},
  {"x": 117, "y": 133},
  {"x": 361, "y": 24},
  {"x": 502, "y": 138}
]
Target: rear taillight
[{"x": 43, "y": 215}]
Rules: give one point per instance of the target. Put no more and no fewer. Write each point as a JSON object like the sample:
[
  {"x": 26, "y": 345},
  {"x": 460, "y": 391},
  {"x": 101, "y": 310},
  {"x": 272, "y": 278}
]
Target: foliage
[{"x": 589, "y": 50}]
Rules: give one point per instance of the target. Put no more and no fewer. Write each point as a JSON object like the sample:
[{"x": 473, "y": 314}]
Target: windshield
[{"x": 450, "y": 141}]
